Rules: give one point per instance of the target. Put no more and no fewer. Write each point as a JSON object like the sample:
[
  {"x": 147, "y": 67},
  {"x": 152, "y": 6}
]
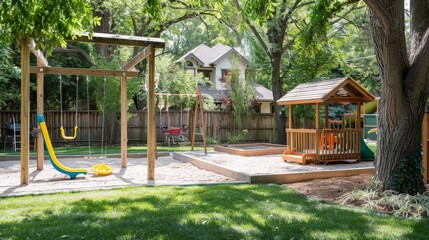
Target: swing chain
[
  {"x": 61, "y": 101},
  {"x": 104, "y": 110},
  {"x": 77, "y": 95},
  {"x": 89, "y": 122}
]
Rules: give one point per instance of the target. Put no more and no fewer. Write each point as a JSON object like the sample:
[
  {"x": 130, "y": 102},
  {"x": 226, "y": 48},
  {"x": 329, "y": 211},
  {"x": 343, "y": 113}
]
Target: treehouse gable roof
[{"x": 334, "y": 90}]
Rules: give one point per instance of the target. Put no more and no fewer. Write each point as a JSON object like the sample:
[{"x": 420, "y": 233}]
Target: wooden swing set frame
[
  {"x": 149, "y": 47},
  {"x": 198, "y": 110}
]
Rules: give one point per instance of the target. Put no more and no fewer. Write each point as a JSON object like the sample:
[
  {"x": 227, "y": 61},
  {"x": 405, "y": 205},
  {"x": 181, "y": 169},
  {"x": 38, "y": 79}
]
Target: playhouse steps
[{"x": 292, "y": 156}]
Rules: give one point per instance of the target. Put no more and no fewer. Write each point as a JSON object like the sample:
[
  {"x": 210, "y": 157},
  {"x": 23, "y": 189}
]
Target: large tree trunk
[
  {"x": 404, "y": 94},
  {"x": 277, "y": 94},
  {"x": 399, "y": 137},
  {"x": 104, "y": 27}
]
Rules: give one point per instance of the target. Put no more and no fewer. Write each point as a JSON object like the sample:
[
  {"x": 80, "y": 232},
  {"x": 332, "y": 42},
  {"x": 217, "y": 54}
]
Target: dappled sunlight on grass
[{"x": 195, "y": 212}]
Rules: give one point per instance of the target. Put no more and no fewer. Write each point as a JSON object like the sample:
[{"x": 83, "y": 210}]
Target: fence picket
[{"x": 260, "y": 126}]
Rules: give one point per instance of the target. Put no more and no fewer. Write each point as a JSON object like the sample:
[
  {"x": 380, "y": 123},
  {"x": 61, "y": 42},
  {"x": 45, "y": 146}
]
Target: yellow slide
[{"x": 72, "y": 172}]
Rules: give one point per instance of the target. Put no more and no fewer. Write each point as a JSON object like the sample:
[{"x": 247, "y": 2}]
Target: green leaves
[
  {"x": 320, "y": 15},
  {"x": 173, "y": 79},
  {"x": 154, "y": 8},
  {"x": 408, "y": 176},
  {"x": 9, "y": 78},
  {"x": 259, "y": 10},
  {"x": 241, "y": 93},
  {"x": 50, "y": 22}
]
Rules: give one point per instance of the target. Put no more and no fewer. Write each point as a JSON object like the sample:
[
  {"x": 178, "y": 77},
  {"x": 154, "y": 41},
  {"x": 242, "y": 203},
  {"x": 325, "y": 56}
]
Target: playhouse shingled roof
[{"x": 335, "y": 90}]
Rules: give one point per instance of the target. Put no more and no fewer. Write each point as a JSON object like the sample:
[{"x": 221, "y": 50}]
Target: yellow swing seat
[{"x": 63, "y": 135}]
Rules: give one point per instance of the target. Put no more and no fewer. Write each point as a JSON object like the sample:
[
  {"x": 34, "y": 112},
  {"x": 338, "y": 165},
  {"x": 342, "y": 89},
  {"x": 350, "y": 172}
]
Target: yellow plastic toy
[{"x": 102, "y": 169}]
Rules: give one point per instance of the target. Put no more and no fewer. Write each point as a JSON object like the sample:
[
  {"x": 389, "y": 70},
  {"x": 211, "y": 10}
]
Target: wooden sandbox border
[
  {"x": 290, "y": 177},
  {"x": 274, "y": 149}
]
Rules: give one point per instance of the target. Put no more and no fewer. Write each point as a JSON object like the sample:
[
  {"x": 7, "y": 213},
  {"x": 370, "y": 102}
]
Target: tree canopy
[{"x": 52, "y": 22}]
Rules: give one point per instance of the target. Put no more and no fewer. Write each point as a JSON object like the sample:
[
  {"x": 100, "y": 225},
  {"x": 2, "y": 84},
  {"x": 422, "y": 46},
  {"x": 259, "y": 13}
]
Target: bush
[
  {"x": 236, "y": 138},
  {"x": 408, "y": 177}
]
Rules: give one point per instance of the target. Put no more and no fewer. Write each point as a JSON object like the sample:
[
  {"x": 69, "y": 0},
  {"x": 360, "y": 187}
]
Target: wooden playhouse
[{"x": 329, "y": 139}]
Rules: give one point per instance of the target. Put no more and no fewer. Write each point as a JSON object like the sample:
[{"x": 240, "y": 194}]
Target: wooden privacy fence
[{"x": 261, "y": 127}]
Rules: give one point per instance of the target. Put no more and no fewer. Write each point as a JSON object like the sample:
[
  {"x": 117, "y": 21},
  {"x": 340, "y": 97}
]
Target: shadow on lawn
[{"x": 204, "y": 212}]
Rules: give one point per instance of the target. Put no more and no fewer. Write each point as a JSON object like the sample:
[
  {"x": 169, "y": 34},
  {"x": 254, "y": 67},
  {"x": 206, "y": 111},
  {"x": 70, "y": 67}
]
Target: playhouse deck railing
[{"x": 326, "y": 144}]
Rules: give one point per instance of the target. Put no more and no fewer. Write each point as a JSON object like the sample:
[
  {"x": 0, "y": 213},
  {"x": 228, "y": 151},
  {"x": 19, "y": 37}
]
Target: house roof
[
  {"x": 334, "y": 90},
  {"x": 218, "y": 95},
  {"x": 262, "y": 94},
  {"x": 207, "y": 56}
]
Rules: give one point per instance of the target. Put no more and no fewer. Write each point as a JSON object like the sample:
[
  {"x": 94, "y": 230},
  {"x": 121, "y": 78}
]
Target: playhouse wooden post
[
  {"x": 151, "y": 137},
  {"x": 326, "y": 115},
  {"x": 40, "y": 144},
  {"x": 25, "y": 109},
  {"x": 290, "y": 143},
  {"x": 124, "y": 124},
  {"x": 317, "y": 116},
  {"x": 358, "y": 113},
  {"x": 364, "y": 120},
  {"x": 425, "y": 141},
  {"x": 358, "y": 127}
]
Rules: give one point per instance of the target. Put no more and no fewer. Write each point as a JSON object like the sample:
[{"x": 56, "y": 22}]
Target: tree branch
[
  {"x": 72, "y": 49},
  {"x": 348, "y": 2},
  {"x": 294, "y": 8},
  {"x": 285, "y": 20},
  {"x": 287, "y": 68},
  {"x": 343, "y": 16},
  {"x": 288, "y": 45},
  {"x": 221, "y": 20},
  {"x": 420, "y": 64},
  {"x": 419, "y": 23},
  {"x": 171, "y": 22},
  {"x": 380, "y": 10},
  {"x": 133, "y": 20},
  {"x": 255, "y": 32}
]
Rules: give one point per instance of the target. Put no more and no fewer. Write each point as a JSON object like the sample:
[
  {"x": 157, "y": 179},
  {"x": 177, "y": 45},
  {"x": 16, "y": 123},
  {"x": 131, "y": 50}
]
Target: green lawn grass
[
  {"x": 84, "y": 150},
  {"x": 195, "y": 212},
  {"x": 95, "y": 150}
]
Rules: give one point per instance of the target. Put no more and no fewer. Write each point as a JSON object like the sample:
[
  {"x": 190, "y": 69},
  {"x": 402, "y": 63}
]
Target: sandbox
[
  {"x": 270, "y": 168},
  {"x": 252, "y": 149}
]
